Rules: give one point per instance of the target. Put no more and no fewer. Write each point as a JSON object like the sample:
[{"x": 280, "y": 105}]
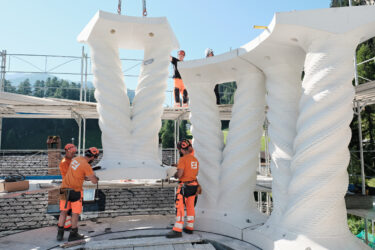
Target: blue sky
[{"x": 51, "y": 26}]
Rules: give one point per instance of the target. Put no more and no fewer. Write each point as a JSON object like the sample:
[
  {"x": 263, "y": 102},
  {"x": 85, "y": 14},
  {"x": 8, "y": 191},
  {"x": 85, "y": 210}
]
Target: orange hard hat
[
  {"x": 181, "y": 52},
  {"x": 93, "y": 151},
  {"x": 183, "y": 144},
  {"x": 70, "y": 147}
]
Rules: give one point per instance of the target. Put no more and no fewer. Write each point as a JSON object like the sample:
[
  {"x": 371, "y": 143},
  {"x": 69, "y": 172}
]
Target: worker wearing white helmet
[{"x": 209, "y": 52}]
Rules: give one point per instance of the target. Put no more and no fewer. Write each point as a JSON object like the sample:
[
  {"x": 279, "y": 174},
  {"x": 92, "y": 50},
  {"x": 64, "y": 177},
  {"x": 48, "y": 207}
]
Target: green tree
[
  {"x": 343, "y": 3},
  {"x": 8, "y": 87},
  {"x": 365, "y": 52},
  {"x": 166, "y": 133},
  {"x": 39, "y": 88},
  {"x": 52, "y": 85},
  {"x": 227, "y": 91},
  {"x": 91, "y": 95},
  {"x": 74, "y": 90},
  {"x": 24, "y": 88}
]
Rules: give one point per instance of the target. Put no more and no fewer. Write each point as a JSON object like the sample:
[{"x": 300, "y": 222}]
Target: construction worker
[
  {"x": 71, "y": 191},
  {"x": 187, "y": 171},
  {"x": 209, "y": 53},
  {"x": 179, "y": 86},
  {"x": 70, "y": 152}
]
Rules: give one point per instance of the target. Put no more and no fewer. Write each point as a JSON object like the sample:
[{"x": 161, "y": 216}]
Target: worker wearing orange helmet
[
  {"x": 179, "y": 87},
  {"x": 187, "y": 171},
  {"x": 70, "y": 152},
  {"x": 71, "y": 191}
]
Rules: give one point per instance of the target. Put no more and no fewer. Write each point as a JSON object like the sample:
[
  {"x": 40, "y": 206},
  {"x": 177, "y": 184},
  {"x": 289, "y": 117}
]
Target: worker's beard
[
  {"x": 181, "y": 154},
  {"x": 90, "y": 161}
]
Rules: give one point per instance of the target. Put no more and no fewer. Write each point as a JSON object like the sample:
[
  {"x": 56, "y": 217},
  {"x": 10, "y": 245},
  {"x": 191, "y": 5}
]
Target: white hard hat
[{"x": 208, "y": 51}]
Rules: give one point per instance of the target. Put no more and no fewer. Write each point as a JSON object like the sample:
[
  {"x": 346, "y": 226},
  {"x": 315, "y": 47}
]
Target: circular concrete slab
[{"x": 125, "y": 232}]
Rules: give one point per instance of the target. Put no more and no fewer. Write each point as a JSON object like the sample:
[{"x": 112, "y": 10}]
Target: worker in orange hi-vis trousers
[
  {"x": 70, "y": 152},
  {"x": 179, "y": 87},
  {"x": 187, "y": 171},
  {"x": 71, "y": 191}
]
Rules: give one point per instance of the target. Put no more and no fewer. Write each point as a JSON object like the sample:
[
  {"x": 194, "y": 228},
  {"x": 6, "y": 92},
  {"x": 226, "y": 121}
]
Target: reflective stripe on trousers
[
  {"x": 68, "y": 222},
  {"x": 180, "y": 207}
]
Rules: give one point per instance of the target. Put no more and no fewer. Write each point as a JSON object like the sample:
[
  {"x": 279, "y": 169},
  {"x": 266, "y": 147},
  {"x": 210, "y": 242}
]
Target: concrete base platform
[{"x": 125, "y": 232}]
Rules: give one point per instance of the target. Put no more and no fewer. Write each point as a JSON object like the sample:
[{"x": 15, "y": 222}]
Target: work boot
[
  {"x": 74, "y": 235},
  {"x": 188, "y": 231},
  {"x": 174, "y": 234},
  {"x": 60, "y": 233}
]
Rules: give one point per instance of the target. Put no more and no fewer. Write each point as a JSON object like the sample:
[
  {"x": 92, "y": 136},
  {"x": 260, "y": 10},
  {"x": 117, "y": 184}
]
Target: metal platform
[{"x": 22, "y": 106}]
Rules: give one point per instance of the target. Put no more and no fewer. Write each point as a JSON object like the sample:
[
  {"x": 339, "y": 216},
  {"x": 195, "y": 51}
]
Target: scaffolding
[{"x": 82, "y": 109}]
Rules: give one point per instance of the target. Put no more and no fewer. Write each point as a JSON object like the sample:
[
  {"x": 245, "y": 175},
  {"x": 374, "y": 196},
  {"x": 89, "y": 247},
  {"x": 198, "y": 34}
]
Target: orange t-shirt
[
  {"x": 190, "y": 165},
  {"x": 79, "y": 168},
  {"x": 64, "y": 166}
]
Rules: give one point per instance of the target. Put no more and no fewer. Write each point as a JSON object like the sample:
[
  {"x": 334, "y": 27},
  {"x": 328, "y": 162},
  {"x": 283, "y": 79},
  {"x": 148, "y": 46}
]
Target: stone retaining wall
[
  {"x": 30, "y": 210},
  {"x": 37, "y": 163}
]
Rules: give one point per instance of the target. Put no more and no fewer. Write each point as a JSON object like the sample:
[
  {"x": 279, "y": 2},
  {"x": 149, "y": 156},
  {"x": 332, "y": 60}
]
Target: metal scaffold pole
[
  {"x": 2, "y": 85},
  {"x": 82, "y": 66},
  {"x": 84, "y": 136},
  {"x": 359, "y": 117},
  {"x": 79, "y": 135},
  {"x": 85, "y": 77}
]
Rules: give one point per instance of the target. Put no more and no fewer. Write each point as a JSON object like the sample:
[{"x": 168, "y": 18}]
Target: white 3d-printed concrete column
[
  {"x": 148, "y": 103},
  {"x": 319, "y": 165},
  {"x": 314, "y": 214},
  {"x": 237, "y": 206},
  {"x": 208, "y": 141},
  {"x": 283, "y": 82},
  {"x": 229, "y": 174},
  {"x": 112, "y": 105},
  {"x": 129, "y": 136}
]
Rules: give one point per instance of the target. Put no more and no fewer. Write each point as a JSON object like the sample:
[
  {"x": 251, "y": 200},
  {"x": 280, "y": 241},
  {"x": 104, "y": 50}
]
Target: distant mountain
[{"x": 16, "y": 78}]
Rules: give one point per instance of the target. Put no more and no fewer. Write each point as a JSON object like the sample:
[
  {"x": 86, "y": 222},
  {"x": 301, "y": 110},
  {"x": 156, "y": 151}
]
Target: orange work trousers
[
  {"x": 179, "y": 88},
  {"x": 181, "y": 202}
]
